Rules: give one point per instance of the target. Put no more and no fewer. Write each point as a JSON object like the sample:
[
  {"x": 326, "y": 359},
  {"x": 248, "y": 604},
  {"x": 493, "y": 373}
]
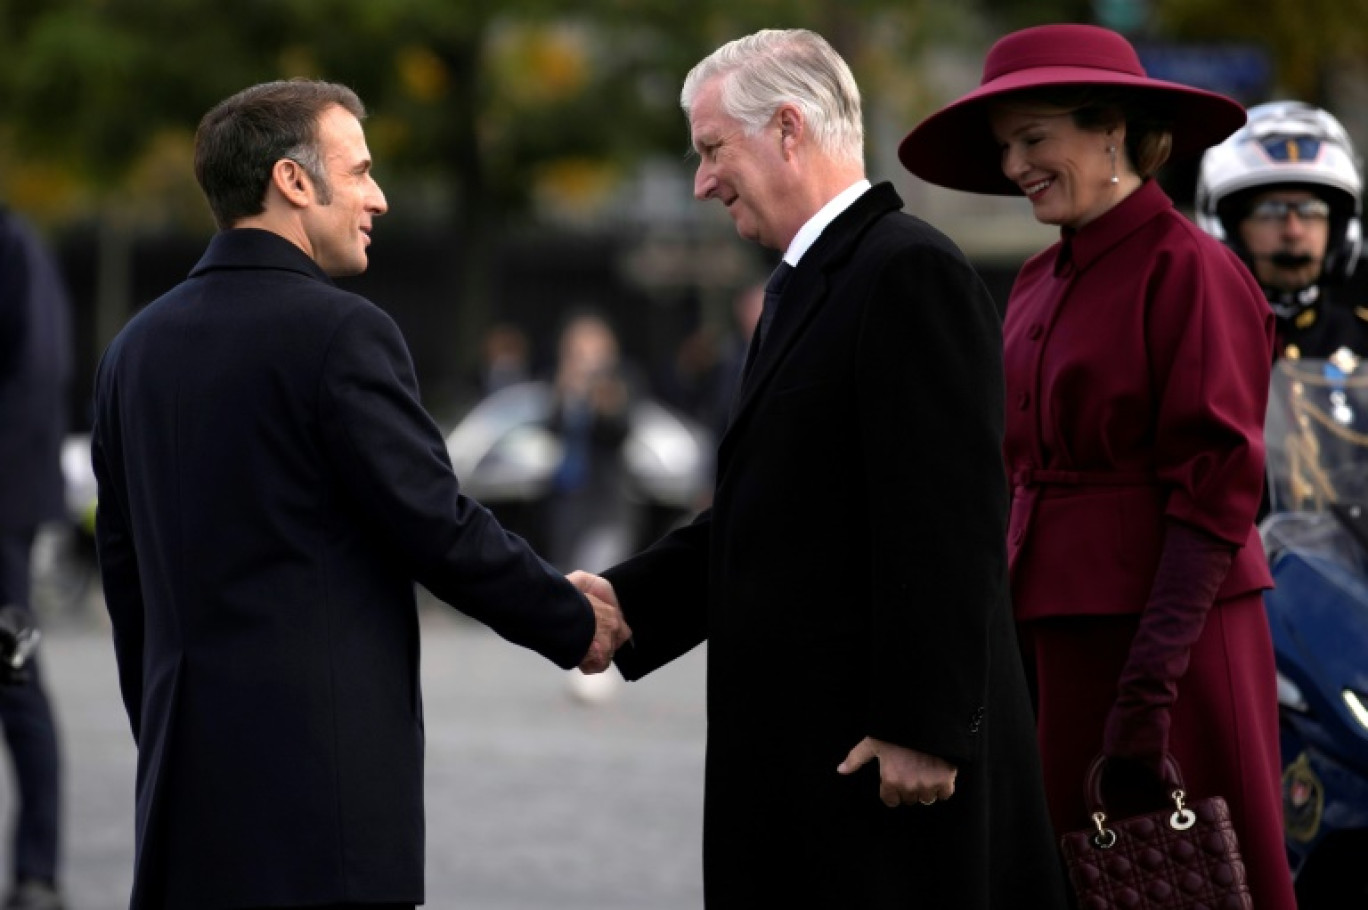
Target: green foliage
[
  {"x": 1309, "y": 40},
  {"x": 488, "y": 98},
  {"x": 492, "y": 101}
]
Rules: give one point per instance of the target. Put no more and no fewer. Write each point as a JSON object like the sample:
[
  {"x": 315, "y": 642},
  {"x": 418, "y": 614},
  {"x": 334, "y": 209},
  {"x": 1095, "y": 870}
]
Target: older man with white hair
[{"x": 870, "y": 735}]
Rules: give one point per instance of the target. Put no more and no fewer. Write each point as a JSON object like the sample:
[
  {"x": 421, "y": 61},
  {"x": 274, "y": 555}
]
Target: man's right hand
[
  {"x": 905, "y": 775},
  {"x": 611, "y": 630}
]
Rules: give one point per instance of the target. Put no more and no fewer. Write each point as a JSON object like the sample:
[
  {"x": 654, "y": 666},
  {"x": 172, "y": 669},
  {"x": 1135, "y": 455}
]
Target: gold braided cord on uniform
[
  {"x": 1299, "y": 375},
  {"x": 1306, "y": 477},
  {"x": 1306, "y": 480},
  {"x": 1336, "y": 428}
]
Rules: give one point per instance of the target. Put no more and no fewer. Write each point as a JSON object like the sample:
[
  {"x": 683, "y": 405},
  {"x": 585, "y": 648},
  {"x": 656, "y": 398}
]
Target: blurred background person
[
  {"x": 688, "y": 381},
  {"x": 591, "y": 516},
  {"x": 582, "y": 460},
  {"x": 706, "y": 371},
  {"x": 590, "y": 519},
  {"x": 1138, "y": 353},
  {"x": 504, "y": 361},
  {"x": 505, "y": 358},
  {"x": 35, "y": 371},
  {"x": 1284, "y": 192}
]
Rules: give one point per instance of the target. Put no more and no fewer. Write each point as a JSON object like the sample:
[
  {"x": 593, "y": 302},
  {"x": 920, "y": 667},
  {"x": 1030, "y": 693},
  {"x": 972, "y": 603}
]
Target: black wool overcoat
[{"x": 850, "y": 581}]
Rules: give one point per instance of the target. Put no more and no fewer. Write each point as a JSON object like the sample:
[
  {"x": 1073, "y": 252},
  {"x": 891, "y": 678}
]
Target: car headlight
[
  {"x": 1290, "y": 696},
  {"x": 1356, "y": 707}
]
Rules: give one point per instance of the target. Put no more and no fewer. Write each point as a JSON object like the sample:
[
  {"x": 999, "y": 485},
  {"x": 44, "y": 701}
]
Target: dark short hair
[{"x": 240, "y": 140}]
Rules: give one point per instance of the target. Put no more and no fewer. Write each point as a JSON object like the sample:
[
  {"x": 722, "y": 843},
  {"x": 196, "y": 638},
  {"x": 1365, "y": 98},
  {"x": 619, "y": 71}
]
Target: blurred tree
[
  {"x": 485, "y": 103},
  {"x": 479, "y": 107},
  {"x": 97, "y": 94},
  {"x": 1309, "y": 40}
]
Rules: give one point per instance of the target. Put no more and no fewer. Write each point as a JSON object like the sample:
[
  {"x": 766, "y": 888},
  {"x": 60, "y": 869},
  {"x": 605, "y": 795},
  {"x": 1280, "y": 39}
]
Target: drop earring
[{"x": 1111, "y": 150}]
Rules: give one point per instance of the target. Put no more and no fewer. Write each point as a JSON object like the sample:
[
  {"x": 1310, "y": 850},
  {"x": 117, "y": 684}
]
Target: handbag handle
[{"x": 1181, "y": 820}]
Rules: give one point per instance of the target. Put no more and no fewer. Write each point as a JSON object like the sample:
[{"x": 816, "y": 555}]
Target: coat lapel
[{"x": 807, "y": 292}]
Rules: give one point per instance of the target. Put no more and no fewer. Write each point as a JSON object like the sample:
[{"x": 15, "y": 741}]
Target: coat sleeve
[
  {"x": 664, "y": 595},
  {"x": 1191, "y": 568},
  {"x": 118, "y": 560},
  {"x": 391, "y": 458},
  {"x": 930, "y": 417},
  {"x": 1210, "y": 338}
]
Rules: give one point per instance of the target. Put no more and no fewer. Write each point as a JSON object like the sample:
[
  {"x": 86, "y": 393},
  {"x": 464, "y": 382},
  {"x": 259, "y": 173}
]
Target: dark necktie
[{"x": 774, "y": 289}]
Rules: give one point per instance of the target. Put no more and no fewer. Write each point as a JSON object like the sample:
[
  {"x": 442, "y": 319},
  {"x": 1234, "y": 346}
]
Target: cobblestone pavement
[{"x": 535, "y": 800}]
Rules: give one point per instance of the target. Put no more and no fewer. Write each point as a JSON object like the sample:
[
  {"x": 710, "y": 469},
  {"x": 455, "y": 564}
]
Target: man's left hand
[{"x": 906, "y": 776}]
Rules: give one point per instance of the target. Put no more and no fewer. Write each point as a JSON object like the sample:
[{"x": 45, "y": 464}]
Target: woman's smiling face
[{"x": 1065, "y": 170}]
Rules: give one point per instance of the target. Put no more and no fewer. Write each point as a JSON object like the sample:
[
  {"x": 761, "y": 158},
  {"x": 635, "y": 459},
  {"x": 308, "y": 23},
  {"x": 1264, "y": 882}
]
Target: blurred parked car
[
  {"x": 506, "y": 455},
  {"x": 65, "y": 571}
]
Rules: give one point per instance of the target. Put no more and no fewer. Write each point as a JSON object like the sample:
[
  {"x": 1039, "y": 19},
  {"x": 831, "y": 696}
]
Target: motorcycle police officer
[{"x": 1284, "y": 192}]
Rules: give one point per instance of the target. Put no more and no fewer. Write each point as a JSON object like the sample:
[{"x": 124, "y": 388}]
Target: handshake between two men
[
  {"x": 906, "y": 776},
  {"x": 610, "y": 628}
]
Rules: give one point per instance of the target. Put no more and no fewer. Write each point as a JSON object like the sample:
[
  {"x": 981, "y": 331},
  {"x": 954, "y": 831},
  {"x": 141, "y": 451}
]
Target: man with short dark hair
[{"x": 270, "y": 489}]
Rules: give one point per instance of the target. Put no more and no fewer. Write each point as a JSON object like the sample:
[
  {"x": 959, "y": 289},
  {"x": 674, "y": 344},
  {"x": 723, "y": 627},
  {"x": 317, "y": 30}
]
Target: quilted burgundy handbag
[{"x": 1184, "y": 858}]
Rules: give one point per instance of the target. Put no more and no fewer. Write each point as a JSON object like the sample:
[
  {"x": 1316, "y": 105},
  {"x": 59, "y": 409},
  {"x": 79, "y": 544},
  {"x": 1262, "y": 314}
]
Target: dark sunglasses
[{"x": 1279, "y": 209}]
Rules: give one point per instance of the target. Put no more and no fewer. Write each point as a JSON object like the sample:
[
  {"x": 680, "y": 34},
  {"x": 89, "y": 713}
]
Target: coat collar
[
  {"x": 805, "y": 295},
  {"x": 1085, "y": 246},
  {"x": 253, "y": 248}
]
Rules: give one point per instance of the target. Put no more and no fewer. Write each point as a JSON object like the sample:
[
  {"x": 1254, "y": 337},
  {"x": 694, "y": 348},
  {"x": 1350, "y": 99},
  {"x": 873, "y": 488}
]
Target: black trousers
[{"x": 30, "y": 734}]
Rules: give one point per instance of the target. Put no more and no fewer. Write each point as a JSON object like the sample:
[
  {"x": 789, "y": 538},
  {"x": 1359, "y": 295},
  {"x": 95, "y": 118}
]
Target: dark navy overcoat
[{"x": 270, "y": 490}]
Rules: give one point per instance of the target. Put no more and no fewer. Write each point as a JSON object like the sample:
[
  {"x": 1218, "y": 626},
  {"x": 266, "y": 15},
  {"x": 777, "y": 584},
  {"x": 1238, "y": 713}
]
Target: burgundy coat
[{"x": 1137, "y": 357}]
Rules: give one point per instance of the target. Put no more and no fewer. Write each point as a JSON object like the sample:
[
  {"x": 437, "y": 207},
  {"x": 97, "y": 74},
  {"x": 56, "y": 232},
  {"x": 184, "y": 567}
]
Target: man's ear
[
  {"x": 791, "y": 127},
  {"x": 290, "y": 179}
]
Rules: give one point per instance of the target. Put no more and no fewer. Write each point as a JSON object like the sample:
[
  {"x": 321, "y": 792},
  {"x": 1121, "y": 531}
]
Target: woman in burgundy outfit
[{"x": 1137, "y": 356}]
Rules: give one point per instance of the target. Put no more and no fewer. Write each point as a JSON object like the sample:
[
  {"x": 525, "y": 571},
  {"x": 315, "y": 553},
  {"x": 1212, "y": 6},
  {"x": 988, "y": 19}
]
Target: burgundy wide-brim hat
[{"x": 955, "y": 147}]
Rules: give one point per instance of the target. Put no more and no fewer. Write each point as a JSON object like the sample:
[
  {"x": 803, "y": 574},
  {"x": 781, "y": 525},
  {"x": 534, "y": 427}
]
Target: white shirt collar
[{"x": 807, "y": 235}]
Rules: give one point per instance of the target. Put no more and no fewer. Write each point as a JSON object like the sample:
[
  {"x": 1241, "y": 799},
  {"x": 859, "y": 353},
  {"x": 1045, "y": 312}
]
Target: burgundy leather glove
[{"x": 1191, "y": 569}]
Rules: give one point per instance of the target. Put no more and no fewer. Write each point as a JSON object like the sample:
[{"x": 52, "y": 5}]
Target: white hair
[{"x": 793, "y": 66}]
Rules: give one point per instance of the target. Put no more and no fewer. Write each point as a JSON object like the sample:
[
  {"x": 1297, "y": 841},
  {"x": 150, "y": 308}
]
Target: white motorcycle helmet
[{"x": 1285, "y": 144}]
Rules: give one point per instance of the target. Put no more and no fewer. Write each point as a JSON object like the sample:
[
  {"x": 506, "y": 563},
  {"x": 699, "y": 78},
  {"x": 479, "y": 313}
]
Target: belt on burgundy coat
[{"x": 1027, "y": 483}]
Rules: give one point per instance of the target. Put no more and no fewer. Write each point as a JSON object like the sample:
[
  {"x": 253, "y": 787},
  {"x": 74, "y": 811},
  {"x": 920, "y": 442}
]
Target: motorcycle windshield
[{"x": 1317, "y": 434}]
